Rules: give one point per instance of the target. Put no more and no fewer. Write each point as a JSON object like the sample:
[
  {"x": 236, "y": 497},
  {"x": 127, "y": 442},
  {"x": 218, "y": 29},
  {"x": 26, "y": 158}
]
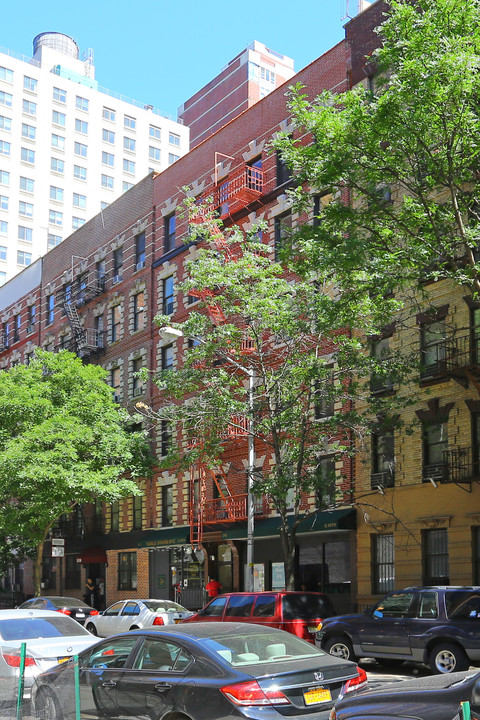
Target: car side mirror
[{"x": 368, "y": 610}]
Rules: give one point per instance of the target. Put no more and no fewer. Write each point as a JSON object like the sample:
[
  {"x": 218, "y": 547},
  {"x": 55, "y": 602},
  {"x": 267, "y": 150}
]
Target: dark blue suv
[{"x": 439, "y": 626}]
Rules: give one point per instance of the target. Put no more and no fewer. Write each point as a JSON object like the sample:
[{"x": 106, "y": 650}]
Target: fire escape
[
  {"x": 238, "y": 191},
  {"x": 86, "y": 341}
]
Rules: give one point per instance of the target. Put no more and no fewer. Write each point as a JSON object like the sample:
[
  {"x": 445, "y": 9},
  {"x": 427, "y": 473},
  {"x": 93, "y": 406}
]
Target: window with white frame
[
  {"x": 5, "y": 148},
  {"x": 129, "y": 122},
  {"x": 24, "y": 258},
  {"x": 59, "y": 95},
  {"x": 57, "y": 166},
  {"x": 6, "y": 99},
  {"x": 29, "y": 108},
  {"x": 129, "y": 166},
  {"x": 3, "y": 227},
  {"x": 6, "y": 74},
  {"x": 25, "y": 209},
  {"x": 58, "y": 142},
  {"x": 77, "y": 222},
  {"x": 28, "y": 131},
  {"x": 79, "y": 172},
  {"x": 137, "y": 382},
  {"x": 107, "y": 182},
  {"x": 81, "y": 103},
  {"x": 56, "y": 193},
  {"x": 30, "y": 83},
  {"x": 25, "y": 233},
  {"x": 3, "y": 252},
  {"x": 108, "y": 136},
  {"x": 5, "y": 123},
  {"x": 81, "y": 126},
  {"x": 108, "y": 159},
  {"x": 27, "y": 155},
  {"x": 154, "y": 153},
  {"x": 172, "y": 158},
  {"x": 80, "y": 149},
  {"x": 4, "y": 177},
  {"x": 155, "y": 132},
  {"x": 59, "y": 118},
  {"x": 3, "y": 202},
  {"x": 53, "y": 240},
  {"x": 129, "y": 144},
  {"x": 55, "y": 217},
  {"x": 27, "y": 184},
  {"x": 174, "y": 139},
  {"x": 79, "y": 201},
  {"x": 126, "y": 186},
  {"x": 108, "y": 114}
]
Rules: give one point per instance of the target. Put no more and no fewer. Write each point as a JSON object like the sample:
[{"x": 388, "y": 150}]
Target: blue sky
[{"x": 160, "y": 53}]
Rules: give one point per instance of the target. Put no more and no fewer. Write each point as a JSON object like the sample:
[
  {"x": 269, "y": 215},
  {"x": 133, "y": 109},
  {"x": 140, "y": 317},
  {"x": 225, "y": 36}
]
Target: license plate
[
  {"x": 312, "y": 628},
  {"x": 177, "y": 620},
  {"x": 61, "y": 660},
  {"x": 317, "y": 695},
  {"x": 80, "y": 615}
]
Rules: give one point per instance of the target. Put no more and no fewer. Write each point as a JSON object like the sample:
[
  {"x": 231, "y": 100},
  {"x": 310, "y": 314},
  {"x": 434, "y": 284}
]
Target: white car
[
  {"x": 127, "y": 615},
  {"x": 50, "y": 638}
]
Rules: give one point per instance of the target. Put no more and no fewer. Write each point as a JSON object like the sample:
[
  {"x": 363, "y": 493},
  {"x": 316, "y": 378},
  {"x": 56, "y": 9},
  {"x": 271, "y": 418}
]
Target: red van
[{"x": 296, "y": 612}]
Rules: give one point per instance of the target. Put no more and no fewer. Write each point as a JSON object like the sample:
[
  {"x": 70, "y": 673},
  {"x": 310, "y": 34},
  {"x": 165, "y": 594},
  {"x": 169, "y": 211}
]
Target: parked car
[
  {"x": 206, "y": 670},
  {"x": 424, "y": 699},
  {"x": 76, "y": 609},
  {"x": 50, "y": 638},
  {"x": 439, "y": 626},
  {"x": 298, "y": 613},
  {"x": 136, "y": 614}
]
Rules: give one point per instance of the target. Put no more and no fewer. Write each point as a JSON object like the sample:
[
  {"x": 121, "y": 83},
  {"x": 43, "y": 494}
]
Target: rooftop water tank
[{"x": 58, "y": 41}]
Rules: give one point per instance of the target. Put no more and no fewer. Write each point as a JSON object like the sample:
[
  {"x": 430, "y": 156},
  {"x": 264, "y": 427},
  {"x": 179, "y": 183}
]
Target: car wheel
[
  {"x": 47, "y": 706},
  {"x": 446, "y": 658},
  {"x": 340, "y": 647},
  {"x": 92, "y": 629}
]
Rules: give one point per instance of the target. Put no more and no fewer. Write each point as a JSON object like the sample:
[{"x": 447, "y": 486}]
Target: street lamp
[{"x": 171, "y": 333}]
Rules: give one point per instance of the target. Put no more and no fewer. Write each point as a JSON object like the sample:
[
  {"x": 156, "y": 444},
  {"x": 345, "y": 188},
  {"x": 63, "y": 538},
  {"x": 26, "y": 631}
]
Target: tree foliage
[{"x": 63, "y": 441}]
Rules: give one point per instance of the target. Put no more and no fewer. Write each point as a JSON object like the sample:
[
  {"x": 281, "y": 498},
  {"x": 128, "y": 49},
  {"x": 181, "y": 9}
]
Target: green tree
[
  {"x": 291, "y": 344},
  {"x": 406, "y": 149},
  {"x": 63, "y": 441}
]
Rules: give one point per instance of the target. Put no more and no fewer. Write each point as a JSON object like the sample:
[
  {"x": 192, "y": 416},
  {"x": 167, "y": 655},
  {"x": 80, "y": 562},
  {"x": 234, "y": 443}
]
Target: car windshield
[
  {"x": 253, "y": 648},
  {"x": 39, "y": 627},
  {"x": 60, "y": 602},
  {"x": 163, "y": 606},
  {"x": 305, "y": 606}
]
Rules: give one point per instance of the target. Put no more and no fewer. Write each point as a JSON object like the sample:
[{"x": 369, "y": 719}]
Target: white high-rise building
[{"x": 68, "y": 147}]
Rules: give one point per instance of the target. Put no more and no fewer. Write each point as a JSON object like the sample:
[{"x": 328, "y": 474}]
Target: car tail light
[
  {"x": 356, "y": 683},
  {"x": 159, "y": 621},
  {"x": 64, "y": 611},
  {"x": 93, "y": 612},
  {"x": 14, "y": 660},
  {"x": 250, "y": 693}
]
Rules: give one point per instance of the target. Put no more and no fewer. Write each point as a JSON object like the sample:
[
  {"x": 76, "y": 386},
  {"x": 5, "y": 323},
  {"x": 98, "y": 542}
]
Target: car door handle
[
  {"x": 162, "y": 687},
  {"x": 109, "y": 684}
]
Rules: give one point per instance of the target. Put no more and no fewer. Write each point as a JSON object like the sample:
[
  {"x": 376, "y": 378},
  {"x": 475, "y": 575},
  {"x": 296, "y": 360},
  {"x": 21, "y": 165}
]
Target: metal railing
[{"x": 458, "y": 465}]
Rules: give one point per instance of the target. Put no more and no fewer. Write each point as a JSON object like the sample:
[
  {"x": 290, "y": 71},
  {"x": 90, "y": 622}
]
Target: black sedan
[
  {"x": 203, "y": 671},
  {"x": 74, "y": 608},
  {"x": 443, "y": 697}
]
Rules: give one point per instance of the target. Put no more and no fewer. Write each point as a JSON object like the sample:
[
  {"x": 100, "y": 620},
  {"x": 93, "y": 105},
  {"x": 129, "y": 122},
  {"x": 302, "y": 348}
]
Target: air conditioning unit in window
[
  {"x": 140, "y": 265},
  {"x": 30, "y": 329},
  {"x": 117, "y": 279},
  {"x": 138, "y": 390}
]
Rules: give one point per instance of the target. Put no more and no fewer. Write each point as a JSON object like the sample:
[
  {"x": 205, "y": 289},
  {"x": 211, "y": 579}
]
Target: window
[
  {"x": 140, "y": 251},
  {"x": 108, "y": 136},
  {"x": 115, "y": 323},
  {"x": 6, "y": 74},
  {"x": 25, "y": 233},
  {"x": 283, "y": 171},
  {"x": 53, "y": 241},
  {"x": 154, "y": 132},
  {"x": 31, "y": 318},
  {"x": 58, "y": 142},
  {"x": 324, "y": 401},
  {"x": 72, "y": 572},
  {"x": 17, "y": 324},
  {"x": 3, "y": 252},
  {"x": 81, "y": 103},
  {"x": 5, "y": 123},
  {"x": 435, "y": 441},
  {"x": 114, "y": 381},
  {"x": 118, "y": 264},
  {"x": 137, "y": 512},
  {"x": 24, "y": 258},
  {"x": 79, "y": 172},
  {"x": 3, "y": 227},
  {"x": 174, "y": 139},
  {"x": 28, "y": 131},
  {"x": 137, "y": 384},
  {"x": 103, "y": 205},
  {"x": 55, "y": 217},
  {"x": 432, "y": 348},
  {"x": 129, "y": 166},
  {"x": 81, "y": 126},
  {"x": 154, "y": 153},
  {"x": 77, "y": 222},
  {"x": 326, "y": 479},
  {"x": 115, "y": 516},
  {"x": 6, "y": 99},
  {"x": 383, "y": 564},
  {"x": 3, "y": 278},
  {"x": 108, "y": 114},
  {"x": 435, "y": 557},
  {"x": 4, "y": 177},
  {"x": 383, "y": 459},
  {"x": 167, "y": 357},
  {"x": 26, "y": 155},
  {"x": 129, "y": 122},
  {"x": 167, "y": 505},
  {"x": 5, "y": 148},
  {"x": 126, "y": 186},
  {"x": 25, "y": 209},
  {"x": 165, "y": 437},
  {"x": 3, "y": 202},
  {"x": 67, "y": 293},
  {"x": 127, "y": 571},
  {"x": 108, "y": 159},
  {"x": 129, "y": 144},
  {"x": 169, "y": 232},
  {"x": 59, "y": 95},
  {"x": 56, "y": 193},
  {"x": 59, "y": 118},
  {"x": 29, "y": 108},
  {"x": 283, "y": 224},
  {"x": 172, "y": 158},
  {"x": 380, "y": 380},
  {"x": 6, "y": 334},
  {"x": 80, "y": 149},
  {"x": 100, "y": 272},
  {"x": 79, "y": 201},
  {"x": 168, "y": 294},
  {"x": 138, "y": 311}
]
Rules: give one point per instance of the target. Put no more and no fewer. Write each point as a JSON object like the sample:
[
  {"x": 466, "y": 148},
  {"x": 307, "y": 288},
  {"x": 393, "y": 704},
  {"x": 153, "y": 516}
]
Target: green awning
[{"x": 323, "y": 521}]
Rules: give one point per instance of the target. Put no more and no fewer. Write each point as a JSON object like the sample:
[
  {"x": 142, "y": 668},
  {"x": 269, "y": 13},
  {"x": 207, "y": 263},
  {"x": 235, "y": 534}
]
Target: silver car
[
  {"x": 127, "y": 615},
  {"x": 50, "y": 638}
]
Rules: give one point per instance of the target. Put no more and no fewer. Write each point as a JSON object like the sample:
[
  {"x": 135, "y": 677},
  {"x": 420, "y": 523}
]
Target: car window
[
  {"x": 240, "y": 605},
  {"x": 428, "y": 605},
  {"x": 396, "y": 605},
  {"x": 163, "y": 656},
  {"x": 131, "y": 608},
  {"x": 214, "y": 609},
  {"x": 462, "y": 605},
  {"x": 254, "y": 648},
  {"x": 305, "y": 606},
  {"x": 163, "y": 606},
  {"x": 264, "y": 606},
  {"x": 114, "y": 609},
  {"x": 60, "y": 602},
  {"x": 110, "y": 654},
  {"x": 40, "y": 627}
]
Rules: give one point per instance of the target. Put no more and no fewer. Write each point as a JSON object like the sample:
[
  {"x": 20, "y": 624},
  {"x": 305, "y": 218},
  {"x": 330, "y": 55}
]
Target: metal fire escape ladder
[{"x": 78, "y": 332}]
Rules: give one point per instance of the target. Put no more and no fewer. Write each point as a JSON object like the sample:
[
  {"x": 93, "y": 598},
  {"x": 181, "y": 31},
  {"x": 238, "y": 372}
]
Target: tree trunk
[
  {"x": 287, "y": 536},
  {"x": 37, "y": 568}
]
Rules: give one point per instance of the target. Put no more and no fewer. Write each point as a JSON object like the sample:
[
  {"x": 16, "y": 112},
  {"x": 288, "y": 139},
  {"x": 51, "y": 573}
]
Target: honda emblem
[{"x": 318, "y": 675}]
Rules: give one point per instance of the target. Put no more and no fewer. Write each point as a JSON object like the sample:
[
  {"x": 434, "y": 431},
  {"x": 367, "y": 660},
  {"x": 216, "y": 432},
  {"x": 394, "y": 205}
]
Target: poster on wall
[
  {"x": 278, "y": 576},
  {"x": 259, "y": 577}
]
